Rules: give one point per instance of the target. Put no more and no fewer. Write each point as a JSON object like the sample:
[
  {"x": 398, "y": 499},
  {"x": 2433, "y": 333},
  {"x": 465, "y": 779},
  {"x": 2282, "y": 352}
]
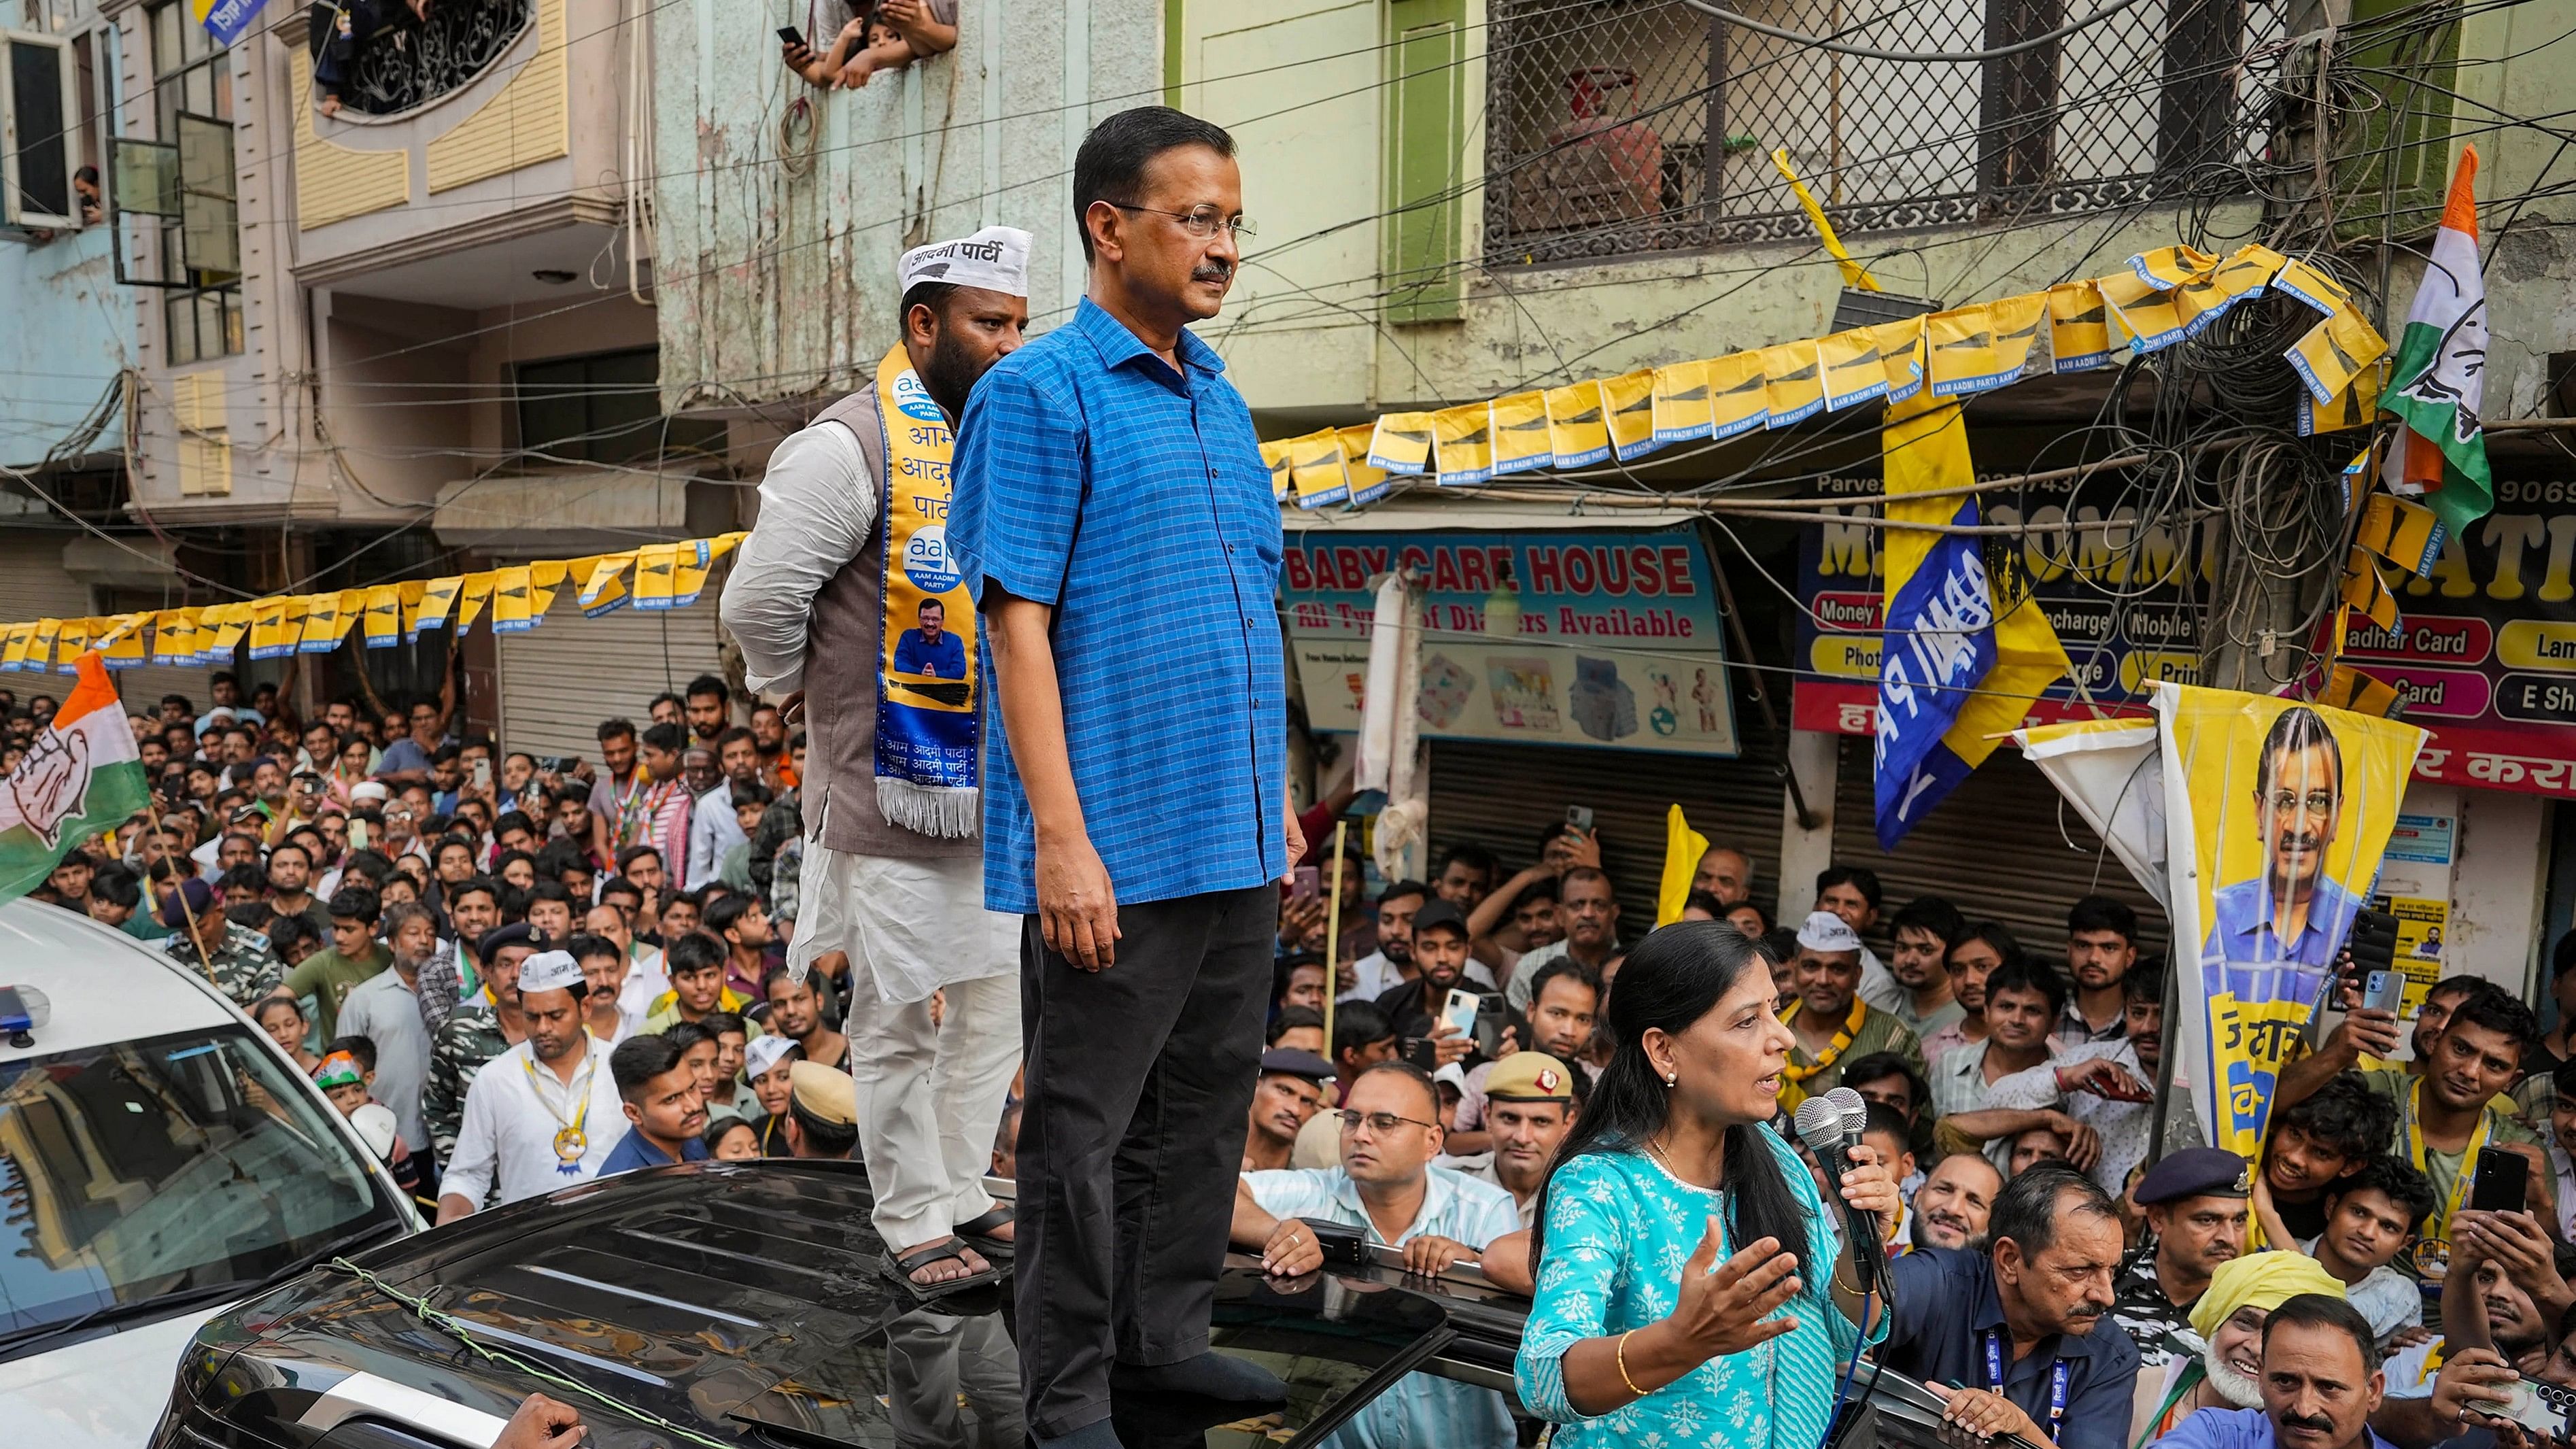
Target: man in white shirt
[
  {"x": 544, "y": 1114},
  {"x": 893, "y": 867},
  {"x": 2108, "y": 1086},
  {"x": 645, "y": 978},
  {"x": 1382, "y": 970}
]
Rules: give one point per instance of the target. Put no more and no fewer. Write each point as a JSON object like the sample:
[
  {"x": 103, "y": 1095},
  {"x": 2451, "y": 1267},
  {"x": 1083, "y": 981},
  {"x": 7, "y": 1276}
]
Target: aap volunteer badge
[
  {"x": 913, "y": 400},
  {"x": 926, "y": 561}
]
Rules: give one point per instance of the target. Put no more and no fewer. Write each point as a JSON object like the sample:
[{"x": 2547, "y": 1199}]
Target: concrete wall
[
  {"x": 776, "y": 281},
  {"x": 64, "y": 342}
]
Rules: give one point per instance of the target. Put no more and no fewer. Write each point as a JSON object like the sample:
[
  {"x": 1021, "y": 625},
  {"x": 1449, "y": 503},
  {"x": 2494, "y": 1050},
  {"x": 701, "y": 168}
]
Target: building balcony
[{"x": 403, "y": 61}]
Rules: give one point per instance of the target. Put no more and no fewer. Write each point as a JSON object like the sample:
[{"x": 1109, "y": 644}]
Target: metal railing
[
  {"x": 409, "y": 61},
  {"x": 1619, "y": 127}
]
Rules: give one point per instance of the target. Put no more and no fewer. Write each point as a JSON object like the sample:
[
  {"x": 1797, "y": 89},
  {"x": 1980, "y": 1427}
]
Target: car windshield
[{"x": 146, "y": 1168}]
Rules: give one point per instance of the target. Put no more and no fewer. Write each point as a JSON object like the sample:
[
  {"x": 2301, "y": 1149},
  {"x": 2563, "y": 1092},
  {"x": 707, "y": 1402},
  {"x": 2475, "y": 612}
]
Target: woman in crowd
[{"x": 1671, "y": 1170}]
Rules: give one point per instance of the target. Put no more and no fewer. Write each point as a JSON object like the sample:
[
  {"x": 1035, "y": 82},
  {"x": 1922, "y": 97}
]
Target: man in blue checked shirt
[{"x": 1136, "y": 812}]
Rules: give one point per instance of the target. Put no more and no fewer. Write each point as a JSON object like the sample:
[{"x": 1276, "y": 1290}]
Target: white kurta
[{"x": 513, "y": 1112}]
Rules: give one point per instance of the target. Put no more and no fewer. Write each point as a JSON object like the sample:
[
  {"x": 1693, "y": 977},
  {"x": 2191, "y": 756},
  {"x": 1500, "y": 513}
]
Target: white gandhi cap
[
  {"x": 995, "y": 259},
  {"x": 548, "y": 971}
]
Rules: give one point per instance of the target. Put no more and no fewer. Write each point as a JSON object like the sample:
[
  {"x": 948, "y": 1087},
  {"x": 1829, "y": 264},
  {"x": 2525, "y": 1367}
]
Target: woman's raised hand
[{"x": 1728, "y": 1311}]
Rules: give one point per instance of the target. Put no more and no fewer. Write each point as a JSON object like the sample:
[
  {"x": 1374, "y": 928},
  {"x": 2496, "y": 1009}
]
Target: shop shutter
[
  {"x": 1999, "y": 848},
  {"x": 560, "y": 679},
  {"x": 1501, "y": 796}
]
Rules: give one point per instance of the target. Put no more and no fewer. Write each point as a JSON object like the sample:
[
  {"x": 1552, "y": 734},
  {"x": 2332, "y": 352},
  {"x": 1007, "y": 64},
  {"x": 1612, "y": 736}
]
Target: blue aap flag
[
  {"x": 226, "y": 20},
  {"x": 1938, "y": 641}
]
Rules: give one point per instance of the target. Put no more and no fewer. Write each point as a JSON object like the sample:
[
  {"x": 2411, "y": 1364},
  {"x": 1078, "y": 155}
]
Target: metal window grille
[
  {"x": 1618, "y": 127},
  {"x": 402, "y": 62}
]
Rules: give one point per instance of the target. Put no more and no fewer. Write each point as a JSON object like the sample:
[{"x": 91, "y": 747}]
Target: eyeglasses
[
  {"x": 1199, "y": 221},
  {"x": 2316, "y": 802},
  {"x": 1380, "y": 1122}
]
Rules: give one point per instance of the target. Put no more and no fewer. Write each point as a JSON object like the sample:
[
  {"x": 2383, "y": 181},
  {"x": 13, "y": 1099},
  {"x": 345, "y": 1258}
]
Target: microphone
[
  {"x": 1820, "y": 1127},
  {"x": 1855, "y": 1110}
]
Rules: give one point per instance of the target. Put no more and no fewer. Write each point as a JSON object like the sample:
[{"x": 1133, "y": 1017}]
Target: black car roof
[{"x": 714, "y": 1295}]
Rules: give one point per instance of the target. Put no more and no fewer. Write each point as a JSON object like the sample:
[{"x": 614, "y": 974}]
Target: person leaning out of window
[{"x": 882, "y": 35}]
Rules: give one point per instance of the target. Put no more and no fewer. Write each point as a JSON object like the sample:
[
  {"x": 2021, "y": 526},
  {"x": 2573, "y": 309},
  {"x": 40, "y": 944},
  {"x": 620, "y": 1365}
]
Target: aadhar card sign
[
  {"x": 1593, "y": 637},
  {"x": 2277, "y": 814}
]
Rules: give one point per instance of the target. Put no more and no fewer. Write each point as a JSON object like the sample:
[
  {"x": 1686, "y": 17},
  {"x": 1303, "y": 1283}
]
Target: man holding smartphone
[
  {"x": 2447, "y": 1119},
  {"x": 1421, "y": 1008}
]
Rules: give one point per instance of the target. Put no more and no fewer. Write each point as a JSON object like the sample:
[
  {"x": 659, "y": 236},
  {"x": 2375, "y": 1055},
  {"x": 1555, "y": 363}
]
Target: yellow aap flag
[{"x": 2286, "y": 807}]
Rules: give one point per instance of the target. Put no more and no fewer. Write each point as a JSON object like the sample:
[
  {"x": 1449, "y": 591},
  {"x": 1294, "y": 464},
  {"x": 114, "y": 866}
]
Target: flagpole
[
  {"x": 152, "y": 816},
  {"x": 1333, "y": 936}
]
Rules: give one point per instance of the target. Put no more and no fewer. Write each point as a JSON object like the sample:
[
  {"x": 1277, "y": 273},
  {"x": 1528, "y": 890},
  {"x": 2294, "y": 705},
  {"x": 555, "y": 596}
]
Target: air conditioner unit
[{"x": 39, "y": 131}]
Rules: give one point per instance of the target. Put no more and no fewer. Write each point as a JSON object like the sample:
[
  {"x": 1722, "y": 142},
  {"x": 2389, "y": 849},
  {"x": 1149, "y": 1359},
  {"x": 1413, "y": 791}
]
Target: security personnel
[
  {"x": 2195, "y": 1203},
  {"x": 2019, "y": 1338}
]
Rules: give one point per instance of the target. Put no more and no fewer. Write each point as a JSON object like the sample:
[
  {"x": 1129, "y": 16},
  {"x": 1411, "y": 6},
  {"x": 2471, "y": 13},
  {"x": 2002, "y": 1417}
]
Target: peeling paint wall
[
  {"x": 63, "y": 344},
  {"x": 781, "y": 209}
]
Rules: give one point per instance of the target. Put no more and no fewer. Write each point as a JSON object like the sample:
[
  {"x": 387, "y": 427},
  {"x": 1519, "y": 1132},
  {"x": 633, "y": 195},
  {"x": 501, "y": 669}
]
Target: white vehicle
[{"x": 160, "y": 1160}]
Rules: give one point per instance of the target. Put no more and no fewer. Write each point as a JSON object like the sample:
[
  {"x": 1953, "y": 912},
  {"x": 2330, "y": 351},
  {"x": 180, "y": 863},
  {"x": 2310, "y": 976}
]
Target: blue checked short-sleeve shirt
[{"x": 1091, "y": 477}]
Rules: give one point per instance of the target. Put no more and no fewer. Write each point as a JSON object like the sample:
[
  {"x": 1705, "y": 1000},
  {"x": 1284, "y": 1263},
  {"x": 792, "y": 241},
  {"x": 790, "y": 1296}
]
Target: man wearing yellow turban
[{"x": 2228, "y": 1320}]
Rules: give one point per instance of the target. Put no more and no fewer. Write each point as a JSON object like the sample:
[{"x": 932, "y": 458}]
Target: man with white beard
[{"x": 2228, "y": 1321}]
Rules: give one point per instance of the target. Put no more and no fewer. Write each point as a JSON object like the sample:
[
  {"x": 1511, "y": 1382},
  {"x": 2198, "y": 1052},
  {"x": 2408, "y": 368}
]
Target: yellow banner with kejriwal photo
[{"x": 2276, "y": 814}]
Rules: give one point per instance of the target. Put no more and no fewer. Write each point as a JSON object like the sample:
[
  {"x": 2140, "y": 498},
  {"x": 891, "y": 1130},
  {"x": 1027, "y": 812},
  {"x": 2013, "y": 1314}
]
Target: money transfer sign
[{"x": 1583, "y": 637}]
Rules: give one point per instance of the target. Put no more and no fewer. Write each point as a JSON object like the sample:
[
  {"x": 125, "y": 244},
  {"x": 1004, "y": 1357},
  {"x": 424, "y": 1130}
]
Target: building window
[
  {"x": 1627, "y": 126},
  {"x": 199, "y": 225},
  {"x": 604, "y": 408}
]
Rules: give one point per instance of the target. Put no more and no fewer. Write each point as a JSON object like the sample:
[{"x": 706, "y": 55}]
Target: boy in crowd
[
  {"x": 2371, "y": 1216},
  {"x": 696, "y": 963},
  {"x": 345, "y": 1075},
  {"x": 2314, "y": 1144}
]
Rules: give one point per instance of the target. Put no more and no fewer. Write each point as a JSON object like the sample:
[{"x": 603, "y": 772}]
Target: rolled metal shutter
[
  {"x": 2003, "y": 847},
  {"x": 560, "y": 679},
  {"x": 1502, "y": 796}
]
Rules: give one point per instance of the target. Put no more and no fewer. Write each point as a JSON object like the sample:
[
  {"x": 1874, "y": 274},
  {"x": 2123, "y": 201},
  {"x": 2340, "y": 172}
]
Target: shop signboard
[
  {"x": 1595, "y": 637},
  {"x": 2483, "y": 654},
  {"x": 2112, "y": 591}
]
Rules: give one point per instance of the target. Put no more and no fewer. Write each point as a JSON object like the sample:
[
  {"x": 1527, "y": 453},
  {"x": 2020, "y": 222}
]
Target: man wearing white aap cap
[
  {"x": 1833, "y": 1026},
  {"x": 544, "y": 1114},
  {"x": 849, "y": 562}
]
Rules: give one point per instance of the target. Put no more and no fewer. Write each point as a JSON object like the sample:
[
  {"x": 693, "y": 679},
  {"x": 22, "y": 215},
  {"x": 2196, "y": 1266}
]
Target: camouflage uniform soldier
[
  {"x": 471, "y": 1038},
  {"x": 236, "y": 957},
  {"x": 480, "y": 1030}
]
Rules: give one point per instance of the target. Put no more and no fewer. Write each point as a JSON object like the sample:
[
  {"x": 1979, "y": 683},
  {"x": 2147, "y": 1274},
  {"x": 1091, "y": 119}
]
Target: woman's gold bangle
[
  {"x": 1622, "y": 1356},
  {"x": 1851, "y": 1288}
]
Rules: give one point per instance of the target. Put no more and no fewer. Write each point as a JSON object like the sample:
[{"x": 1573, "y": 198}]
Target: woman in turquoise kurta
[{"x": 1690, "y": 1288}]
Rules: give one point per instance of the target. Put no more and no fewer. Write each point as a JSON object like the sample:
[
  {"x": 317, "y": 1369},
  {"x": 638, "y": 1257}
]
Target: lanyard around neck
[
  {"x": 2417, "y": 1152},
  {"x": 2057, "y": 1379}
]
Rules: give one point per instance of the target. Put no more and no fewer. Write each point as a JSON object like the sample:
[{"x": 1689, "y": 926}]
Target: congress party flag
[
  {"x": 2276, "y": 814},
  {"x": 2438, "y": 381},
  {"x": 79, "y": 777}
]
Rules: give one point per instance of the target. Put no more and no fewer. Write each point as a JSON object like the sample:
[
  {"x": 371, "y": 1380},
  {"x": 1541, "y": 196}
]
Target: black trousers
[{"x": 1139, "y": 1081}]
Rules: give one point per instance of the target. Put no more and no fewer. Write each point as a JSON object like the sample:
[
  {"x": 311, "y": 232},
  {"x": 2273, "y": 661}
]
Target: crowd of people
[
  {"x": 2012, "y": 1097},
  {"x": 399, "y": 906},
  {"x": 547, "y": 970}
]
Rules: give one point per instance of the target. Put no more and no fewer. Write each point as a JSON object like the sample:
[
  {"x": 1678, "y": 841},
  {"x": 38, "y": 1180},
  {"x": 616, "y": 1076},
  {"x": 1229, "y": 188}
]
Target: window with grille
[{"x": 1627, "y": 126}]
